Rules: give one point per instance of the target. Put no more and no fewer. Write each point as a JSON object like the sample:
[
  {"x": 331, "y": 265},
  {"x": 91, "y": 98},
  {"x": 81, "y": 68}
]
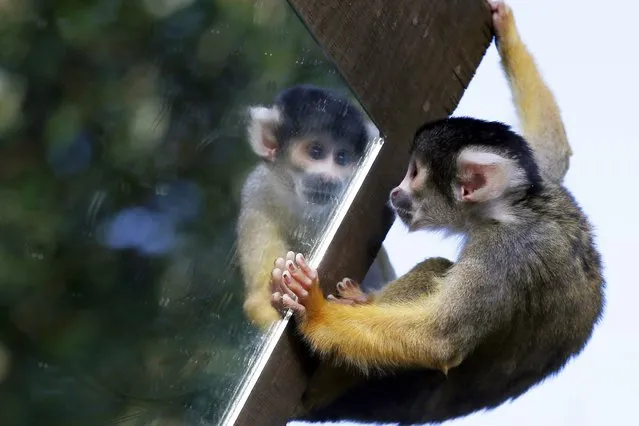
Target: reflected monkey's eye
[
  {"x": 343, "y": 158},
  {"x": 316, "y": 151}
]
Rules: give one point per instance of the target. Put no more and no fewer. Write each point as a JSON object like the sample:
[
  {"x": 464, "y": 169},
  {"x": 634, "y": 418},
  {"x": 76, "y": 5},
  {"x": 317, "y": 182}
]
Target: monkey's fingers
[
  {"x": 294, "y": 286},
  {"x": 348, "y": 284},
  {"x": 502, "y": 17},
  {"x": 298, "y": 309},
  {"x": 276, "y": 280},
  {"x": 277, "y": 284},
  {"x": 341, "y": 301},
  {"x": 276, "y": 302},
  {"x": 307, "y": 270},
  {"x": 349, "y": 289},
  {"x": 280, "y": 263},
  {"x": 283, "y": 302},
  {"x": 299, "y": 275},
  {"x": 276, "y": 276}
]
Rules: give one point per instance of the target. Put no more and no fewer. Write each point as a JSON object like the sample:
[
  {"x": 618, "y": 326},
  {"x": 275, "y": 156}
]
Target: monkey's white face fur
[
  {"x": 320, "y": 169},
  {"x": 314, "y": 167},
  {"x": 291, "y": 191},
  {"x": 314, "y": 205},
  {"x": 479, "y": 192},
  {"x": 418, "y": 203}
]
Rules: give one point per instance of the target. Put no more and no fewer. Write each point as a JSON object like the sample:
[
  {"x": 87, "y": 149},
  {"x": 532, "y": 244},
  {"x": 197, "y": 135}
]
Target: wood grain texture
[{"x": 408, "y": 62}]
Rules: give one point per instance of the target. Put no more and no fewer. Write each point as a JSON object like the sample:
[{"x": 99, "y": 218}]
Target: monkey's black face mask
[{"x": 318, "y": 189}]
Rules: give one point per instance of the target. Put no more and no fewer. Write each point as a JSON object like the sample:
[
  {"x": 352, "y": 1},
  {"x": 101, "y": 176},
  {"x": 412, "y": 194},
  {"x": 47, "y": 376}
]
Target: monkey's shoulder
[
  {"x": 257, "y": 183},
  {"x": 556, "y": 254},
  {"x": 555, "y": 202},
  {"x": 263, "y": 190},
  {"x": 561, "y": 220}
]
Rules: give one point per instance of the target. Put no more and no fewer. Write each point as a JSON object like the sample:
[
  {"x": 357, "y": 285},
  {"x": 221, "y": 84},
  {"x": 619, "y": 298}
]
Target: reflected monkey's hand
[{"x": 296, "y": 280}]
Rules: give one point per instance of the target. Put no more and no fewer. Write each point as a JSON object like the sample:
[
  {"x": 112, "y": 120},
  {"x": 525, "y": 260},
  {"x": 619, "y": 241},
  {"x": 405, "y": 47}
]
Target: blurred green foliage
[{"x": 122, "y": 153}]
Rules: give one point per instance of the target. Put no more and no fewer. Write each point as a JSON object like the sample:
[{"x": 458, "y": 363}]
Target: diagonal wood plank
[{"x": 408, "y": 62}]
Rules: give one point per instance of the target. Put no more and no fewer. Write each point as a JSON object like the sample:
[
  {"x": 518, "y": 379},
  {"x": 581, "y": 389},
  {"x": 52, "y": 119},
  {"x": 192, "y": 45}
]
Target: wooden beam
[{"x": 408, "y": 62}]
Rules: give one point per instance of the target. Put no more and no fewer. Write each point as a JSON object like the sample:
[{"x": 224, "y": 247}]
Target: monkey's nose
[
  {"x": 400, "y": 199},
  {"x": 394, "y": 193}
]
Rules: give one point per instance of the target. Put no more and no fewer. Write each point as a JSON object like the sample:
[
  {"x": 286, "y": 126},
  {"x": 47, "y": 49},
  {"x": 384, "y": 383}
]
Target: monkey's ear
[
  {"x": 261, "y": 128},
  {"x": 485, "y": 176}
]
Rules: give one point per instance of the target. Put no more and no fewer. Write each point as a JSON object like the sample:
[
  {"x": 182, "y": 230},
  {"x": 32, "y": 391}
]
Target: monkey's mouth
[
  {"x": 320, "y": 197},
  {"x": 405, "y": 215}
]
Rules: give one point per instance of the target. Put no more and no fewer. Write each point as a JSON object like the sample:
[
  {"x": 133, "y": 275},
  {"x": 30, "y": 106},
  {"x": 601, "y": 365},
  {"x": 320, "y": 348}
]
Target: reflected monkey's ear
[{"x": 262, "y": 125}]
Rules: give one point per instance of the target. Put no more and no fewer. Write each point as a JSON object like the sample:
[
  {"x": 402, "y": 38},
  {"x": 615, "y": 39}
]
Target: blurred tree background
[{"x": 122, "y": 154}]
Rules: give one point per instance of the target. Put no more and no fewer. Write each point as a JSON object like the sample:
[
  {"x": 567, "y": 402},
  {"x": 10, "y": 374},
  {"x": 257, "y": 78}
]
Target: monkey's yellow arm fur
[
  {"x": 377, "y": 336},
  {"x": 537, "y": 108},
  {"x": 260, "y": 242}
]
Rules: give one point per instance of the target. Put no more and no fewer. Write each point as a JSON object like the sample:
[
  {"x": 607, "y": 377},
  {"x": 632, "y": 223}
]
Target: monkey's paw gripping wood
[{"x": 408, "y": 62}]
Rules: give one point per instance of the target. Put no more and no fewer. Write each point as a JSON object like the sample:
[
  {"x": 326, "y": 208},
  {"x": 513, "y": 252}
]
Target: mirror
[{"x": 123, "y": 153}]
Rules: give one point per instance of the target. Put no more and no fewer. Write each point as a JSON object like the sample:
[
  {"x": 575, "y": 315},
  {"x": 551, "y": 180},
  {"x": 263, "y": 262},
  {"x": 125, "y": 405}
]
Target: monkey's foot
[
  {"x": 503, "y": 20},
  {"x": 349, "y": 293}
]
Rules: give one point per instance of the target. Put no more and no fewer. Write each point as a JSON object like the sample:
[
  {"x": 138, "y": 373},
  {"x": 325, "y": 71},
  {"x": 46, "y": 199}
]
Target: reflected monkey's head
[{"x": 313, "y": 138}]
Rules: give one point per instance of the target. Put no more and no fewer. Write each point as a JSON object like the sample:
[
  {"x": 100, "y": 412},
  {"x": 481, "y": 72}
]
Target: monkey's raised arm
[{"x": 536, "y": 106}]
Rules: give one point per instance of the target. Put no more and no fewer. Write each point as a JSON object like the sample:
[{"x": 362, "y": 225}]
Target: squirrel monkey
[
  {"x": 522, "y": 299},
  {"x": 310, "y": 142}
]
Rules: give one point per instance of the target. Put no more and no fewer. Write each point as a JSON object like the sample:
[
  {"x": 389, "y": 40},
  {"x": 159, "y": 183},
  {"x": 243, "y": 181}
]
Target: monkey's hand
[
  {"x": 349, "y": 293},
  {"x": 296, "y": 281},
  {"x": 503, "y": 20}
]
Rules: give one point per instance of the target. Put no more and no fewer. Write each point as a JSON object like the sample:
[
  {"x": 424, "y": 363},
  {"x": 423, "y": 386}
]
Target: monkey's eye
[
  {"x": 343, "y": 158},
  {"x": 316, "y": 151},
  {"x": 412, "y": 170}
]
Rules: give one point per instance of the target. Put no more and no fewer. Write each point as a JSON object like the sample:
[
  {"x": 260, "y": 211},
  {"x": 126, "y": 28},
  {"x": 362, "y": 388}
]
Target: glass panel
[{"x": 123, "y": 154}]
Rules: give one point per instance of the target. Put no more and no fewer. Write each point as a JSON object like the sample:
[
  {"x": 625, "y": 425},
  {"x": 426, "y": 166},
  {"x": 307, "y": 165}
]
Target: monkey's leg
[
  {"x": 422, "y": 282},
  {"x": 536, "y": 106},
  {"x": 328, "y": 383}
]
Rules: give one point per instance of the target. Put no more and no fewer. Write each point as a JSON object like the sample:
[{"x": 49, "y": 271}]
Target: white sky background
[{"x": 588, "y": 53}]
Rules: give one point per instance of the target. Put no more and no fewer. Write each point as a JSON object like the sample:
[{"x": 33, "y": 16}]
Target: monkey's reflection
[{"x": 310, "y": 142}]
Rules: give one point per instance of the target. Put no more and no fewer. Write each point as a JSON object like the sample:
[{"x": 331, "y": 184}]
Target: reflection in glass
[
  {"x": 123, "y": 152},
  {"x": 310, "y": 141}
]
